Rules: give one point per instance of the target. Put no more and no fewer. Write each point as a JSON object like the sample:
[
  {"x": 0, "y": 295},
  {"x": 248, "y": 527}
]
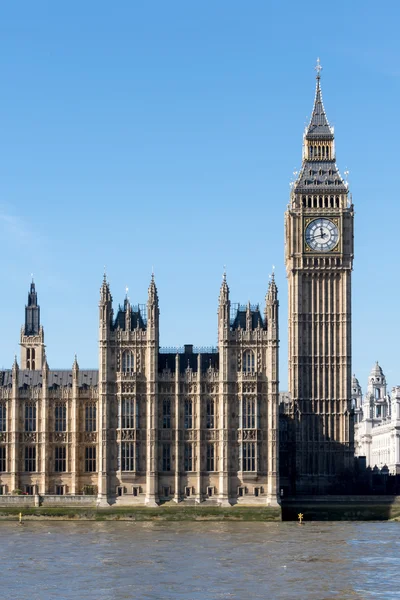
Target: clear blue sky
[{"x": 165, "y": 134}]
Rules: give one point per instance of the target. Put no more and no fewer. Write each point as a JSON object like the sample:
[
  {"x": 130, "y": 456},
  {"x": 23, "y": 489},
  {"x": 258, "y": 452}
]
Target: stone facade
[
  {"x": 150, "y": 424},
  {"x": 319, "y": 262},
  {"x": 377, "y": 422}
]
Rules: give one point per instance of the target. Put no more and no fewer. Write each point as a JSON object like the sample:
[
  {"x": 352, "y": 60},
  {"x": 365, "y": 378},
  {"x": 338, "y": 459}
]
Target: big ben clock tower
[{"x": 319, "y": 261}]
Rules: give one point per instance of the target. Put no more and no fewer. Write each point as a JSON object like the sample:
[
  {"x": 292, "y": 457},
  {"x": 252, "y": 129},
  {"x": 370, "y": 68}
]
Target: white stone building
[{"x": 377, "y": 422}]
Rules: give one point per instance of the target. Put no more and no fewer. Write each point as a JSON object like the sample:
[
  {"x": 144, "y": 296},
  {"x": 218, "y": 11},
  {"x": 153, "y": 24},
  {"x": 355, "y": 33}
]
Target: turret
[
  {"x": 32, "y": 313},
  {"x": 356, "y": 399},
  {"x": 75, "y": 367},
  {"x": 377, "y": 393},
  {"x": 153, "y": 311},
  {"x": 272, "y": 309},
  {"x": 32, "y": 334},
  {"x": 318, "y": 140},
  {"x": 128, "y": 313},
  {"x": 15, "y": 372},
  {"x": 319, "y": 183},
  {"x": 105, "y": 309},
  {"x": 224, "y": 309}
]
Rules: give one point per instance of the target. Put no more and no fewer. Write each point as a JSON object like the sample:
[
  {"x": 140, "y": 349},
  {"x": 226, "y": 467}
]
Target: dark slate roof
[
  {"x": 320, "y": 177},
  {"x": 319, "y": 126},
  {"x": 239, "y": 320},
  {"x": 187, "y": 359},
  {"x": 56, "y": 378},
  {"x": 136, "y": 317}
]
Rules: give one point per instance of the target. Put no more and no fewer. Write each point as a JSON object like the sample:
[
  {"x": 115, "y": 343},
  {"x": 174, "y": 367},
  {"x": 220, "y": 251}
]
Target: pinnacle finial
[
  {"x": 318, "y": 68},
  {"x": 152, "y": 292}
]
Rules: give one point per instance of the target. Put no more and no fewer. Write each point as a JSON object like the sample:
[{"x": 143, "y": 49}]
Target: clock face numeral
[{"x": 322, "y": 235}]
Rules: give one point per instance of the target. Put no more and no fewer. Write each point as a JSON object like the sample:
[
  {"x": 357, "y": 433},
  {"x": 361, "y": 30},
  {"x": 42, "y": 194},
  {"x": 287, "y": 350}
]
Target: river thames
[{"x": 201, "y": 560}]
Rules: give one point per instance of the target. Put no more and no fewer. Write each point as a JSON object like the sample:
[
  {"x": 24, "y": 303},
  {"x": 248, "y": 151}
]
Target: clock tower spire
[{"x": 319, "y": 262}]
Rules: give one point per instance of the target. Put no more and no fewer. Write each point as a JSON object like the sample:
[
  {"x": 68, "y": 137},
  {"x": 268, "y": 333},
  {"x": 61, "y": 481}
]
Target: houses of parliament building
[{"x": 193, "y": 424}]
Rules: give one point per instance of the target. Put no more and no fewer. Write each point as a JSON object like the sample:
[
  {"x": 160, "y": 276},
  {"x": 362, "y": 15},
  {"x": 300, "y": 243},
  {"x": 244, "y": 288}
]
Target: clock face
[{"x": 322, "y": 235}]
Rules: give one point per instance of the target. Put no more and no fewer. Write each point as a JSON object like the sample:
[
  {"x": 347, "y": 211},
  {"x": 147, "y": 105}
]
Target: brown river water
[{"x": 191, "y": 561}]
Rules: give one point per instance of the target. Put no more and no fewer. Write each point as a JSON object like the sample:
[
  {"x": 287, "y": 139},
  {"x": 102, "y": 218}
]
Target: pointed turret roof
[
  {"x": 153, "y": 294},
  {"x": 319, "y": 126},
  {"x": 32, "y": 312},
  {"x": 319, "y": 172},
  {"x": 224, "y": 290},
  {"x": 105, "y": 295},
  {"x": 272, "y": 293}
]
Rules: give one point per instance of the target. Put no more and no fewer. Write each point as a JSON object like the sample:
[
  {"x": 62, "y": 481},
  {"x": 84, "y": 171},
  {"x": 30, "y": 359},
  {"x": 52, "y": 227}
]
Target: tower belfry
[
  {"x": 32, "y": 334},
  {"x": 319, "y": 261}
]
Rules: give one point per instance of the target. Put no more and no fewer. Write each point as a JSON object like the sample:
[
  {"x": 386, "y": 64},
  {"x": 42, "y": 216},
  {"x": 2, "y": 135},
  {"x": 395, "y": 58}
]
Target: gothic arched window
[
  {"x": 127, "y": 413},
  {"x": 210, "y": 423},
  {"x": 167, "y": 413},
  {"x": 60, "y": 416},
  {"x": 248, "y": 362},
  {"x": 3, "y": 417},
  {"x": 30, "y": 416},
  {"x": 188, "y": 414},
  {"x": 127, "y": 362},
  {"x": 248, "y": 412},
  {"x": 90, "y": 417}
]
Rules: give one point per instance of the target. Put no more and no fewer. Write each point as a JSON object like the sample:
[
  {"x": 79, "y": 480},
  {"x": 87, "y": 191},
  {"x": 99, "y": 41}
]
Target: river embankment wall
[{"x": 341, "y": 508}]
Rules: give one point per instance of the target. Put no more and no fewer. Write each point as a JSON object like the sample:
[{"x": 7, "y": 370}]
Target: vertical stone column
[
  {"x": 15, "y": 429},
  {"x": 102, "y": 445},
  {"x": 222, "y": 445},
  {"x": 272, "y": 309},
  {"x": 74, "y": 462},
  {"x": 223, "y": 393},
  {"x": 105, "y": 386},
  {"x": 44, "y": 445},
  {"x": 152, "y": 429},
  {"x": 179, "y": 433},
  {"x": 152, "y": 348},
  {"x": 197, "y": 432}
]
